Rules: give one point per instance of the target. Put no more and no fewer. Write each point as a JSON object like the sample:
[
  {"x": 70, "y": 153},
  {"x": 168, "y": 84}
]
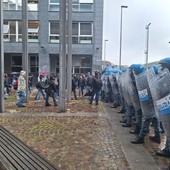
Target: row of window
[
  {"x": 82, "y": 32},
  {"x": 54, "y": 5},
  {"x": 81, "y": 64}
]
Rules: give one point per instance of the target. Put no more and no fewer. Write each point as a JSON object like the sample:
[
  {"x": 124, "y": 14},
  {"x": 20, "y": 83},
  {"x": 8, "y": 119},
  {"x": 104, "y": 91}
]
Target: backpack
[
  {"x": 89, "y": 81},
  {"x": 98, "y": 82},
  {"x": 37, "y": 85},
  {"x": 48, "y": 89}
]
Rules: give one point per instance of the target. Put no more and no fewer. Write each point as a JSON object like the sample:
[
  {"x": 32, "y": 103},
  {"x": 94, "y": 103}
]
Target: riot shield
[
  {"x": 113, "y": 83},
  {"x": 105, "y": 88},
  {"x": 151, "y": 81},
  {"x": 133, "y": 94},
  {"x": 125, "y": 88},
  {"x": 103, "y": 81},
  {"x": 160, "y": 88},
  {"x": 145, "y": 97},
  {"x": 119, "y": 83}
]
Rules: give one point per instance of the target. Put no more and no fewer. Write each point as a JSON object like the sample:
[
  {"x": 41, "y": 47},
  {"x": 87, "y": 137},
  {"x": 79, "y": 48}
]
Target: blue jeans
[
  {"x": 22, "y": 99},
  {"x": 81, "y": 88},
  {"x": 40, "y": 91},
  {"x": 54, "y": 97},
  {"x": 97, "y": 93}
]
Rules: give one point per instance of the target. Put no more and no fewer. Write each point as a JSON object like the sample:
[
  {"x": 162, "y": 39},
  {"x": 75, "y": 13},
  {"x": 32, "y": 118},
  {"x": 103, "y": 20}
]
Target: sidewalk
[
  {"x": 86, "y": 137},
  {"x": 137, "y": 156}
]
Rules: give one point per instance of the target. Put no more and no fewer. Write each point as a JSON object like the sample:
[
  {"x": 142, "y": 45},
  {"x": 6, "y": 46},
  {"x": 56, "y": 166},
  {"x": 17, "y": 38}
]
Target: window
[
  {"x": 86, "y": 7},
  {"x": 13, "y": 31},
  {"x": 17, "y": 5},
  {"x": 33, "y": 27},
  {"x": 82, "y": 33},
  {"x": 86, "y": 33},
  {"x": 16, "y": 63},
  {"x": 75, "y": 31},
  {"x": 77, "y": 5},
  {"x": 6, "y": 32},
  {"x": 85, "y": 62},
  {"x": 86, "y": 1},
  {"x": 54, "y": 32},
  {"x": 10, "y": 33},
  {"x": 34, "y": 63},
  {"x": 54, "y": 5},
  {"x": 85, "y": 29},
  {"x": 82, "y": 63},
  {"x": 12, "y": 4},
  {"x": 33, "y": 5}
]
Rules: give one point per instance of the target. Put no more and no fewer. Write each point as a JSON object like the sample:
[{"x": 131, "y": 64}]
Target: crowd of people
[
  {"x": 48, "y": 86},
  {"x": 143, "y": 95}
]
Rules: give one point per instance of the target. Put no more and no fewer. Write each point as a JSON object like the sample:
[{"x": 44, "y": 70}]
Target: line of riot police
[{"x": 142, "y": 94}]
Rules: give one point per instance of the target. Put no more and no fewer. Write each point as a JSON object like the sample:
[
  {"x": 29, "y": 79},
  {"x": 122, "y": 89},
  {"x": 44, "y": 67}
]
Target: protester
[
  {"x": 74, "y": 86},
  {"x": 96, "y": 87},
  {"x": 40, "y": 86},
  {"x": 51, "y": 90},
  {"x": 7, "y": 83},
  {"x": 21, "y": 89},
  {"x": 30, "y": 79},
  {"x": 81, "y": 85}
]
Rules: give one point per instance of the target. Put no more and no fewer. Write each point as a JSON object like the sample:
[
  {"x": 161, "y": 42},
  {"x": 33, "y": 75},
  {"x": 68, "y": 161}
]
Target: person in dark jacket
[
  {"x": 96, "y": 87},
  {"x": 7, "y": 83},
  {"x": 51, "y": 91},
  {"x": 81, "y": 85},
  {"x": 40, "y": 87},
  {"x": 74, "y": 86}
]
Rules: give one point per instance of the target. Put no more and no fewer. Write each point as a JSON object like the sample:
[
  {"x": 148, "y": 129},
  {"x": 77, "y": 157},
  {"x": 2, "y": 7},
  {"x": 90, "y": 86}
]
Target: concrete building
[{"x": 43, "y": 35}]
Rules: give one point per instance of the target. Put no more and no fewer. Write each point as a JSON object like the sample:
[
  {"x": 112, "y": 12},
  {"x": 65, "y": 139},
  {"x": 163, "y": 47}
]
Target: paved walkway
[
  {"x": 82, "y": 141},
  {"x": 137, "y": 156}
]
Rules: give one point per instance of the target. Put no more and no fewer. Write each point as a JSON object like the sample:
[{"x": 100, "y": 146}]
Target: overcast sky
[{"x": 135, "y": 18}]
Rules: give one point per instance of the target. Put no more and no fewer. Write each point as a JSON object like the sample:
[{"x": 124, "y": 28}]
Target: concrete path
[{"x": 137, "y": 156}]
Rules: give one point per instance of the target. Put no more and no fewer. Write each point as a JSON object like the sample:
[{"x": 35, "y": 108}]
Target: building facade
[{"x": 43, "y": 35}]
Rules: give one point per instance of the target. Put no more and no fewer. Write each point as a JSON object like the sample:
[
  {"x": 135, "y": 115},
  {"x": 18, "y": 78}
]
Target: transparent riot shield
[
  {"x": 120, "y": 92},
  {"x": 119, "y": 81},
  {"x": 125, "y": 88},
  {"x": 145, "y": 97},
  {"x": 160, "y": 88},
  {"x": 113, "y": 83},
  {"x": 151, "y": 79},
  {"x": 133, "y": 92},
  {"x": 103, "y": 81},
  {"x": 105, "y": 89}
]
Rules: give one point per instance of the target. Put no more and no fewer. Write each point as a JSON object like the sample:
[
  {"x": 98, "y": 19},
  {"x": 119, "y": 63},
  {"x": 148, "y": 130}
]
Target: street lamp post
[
  {"x": 2, "y": 107},
  {"x": 147, "y": 43},
  {"x": 69, "y": 80},
  {"x": 105, "y": 50},
  {"x": 62, "y": 58},
  {"x": 120, "y": 53},
  {"x": 25, "y": 42}
]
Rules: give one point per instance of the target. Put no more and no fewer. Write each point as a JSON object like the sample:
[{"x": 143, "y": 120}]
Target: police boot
[
  {"x": 136, "y": 130},
  {"x": 164, "y": 152},
  {"x": 123, "y": 121},
  {"x": 122, "y": 110},
  {"x": 126, "y": 125},
  {"x": 155, "y": 138},
  {"x": 161, "y": 128},
  {"x": 138, "y": 140}
]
